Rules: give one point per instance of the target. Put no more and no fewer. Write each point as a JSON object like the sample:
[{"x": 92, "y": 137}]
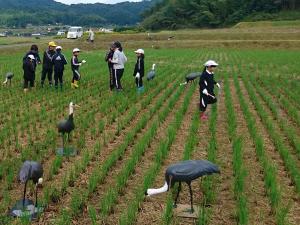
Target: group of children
[
  {"x": 116, "y": 60},
  {"x": 53, "y": 60}
]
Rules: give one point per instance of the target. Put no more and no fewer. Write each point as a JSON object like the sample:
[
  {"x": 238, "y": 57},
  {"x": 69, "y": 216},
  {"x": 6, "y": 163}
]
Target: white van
[{"x": 75, "y": 32}]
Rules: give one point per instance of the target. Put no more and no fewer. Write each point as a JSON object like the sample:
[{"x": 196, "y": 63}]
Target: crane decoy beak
[{"x": 77, "y": 106}]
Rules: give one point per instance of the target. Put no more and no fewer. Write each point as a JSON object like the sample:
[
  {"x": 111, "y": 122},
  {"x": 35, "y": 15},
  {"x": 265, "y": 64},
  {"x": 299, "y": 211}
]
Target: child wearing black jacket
[
  {"x": 139, "y": 69},
  {"x": 29, "y": 67},
  {"x": 108, "y": 58},
  {"x": 206, "y": 83},
  {"x": 59, "y": 61}
]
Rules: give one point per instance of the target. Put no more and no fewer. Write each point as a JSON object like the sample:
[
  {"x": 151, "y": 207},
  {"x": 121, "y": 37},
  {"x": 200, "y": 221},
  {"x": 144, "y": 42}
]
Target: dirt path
[
  {"x": 223, "y": 209},
  {"x": 258, "y": 203}
]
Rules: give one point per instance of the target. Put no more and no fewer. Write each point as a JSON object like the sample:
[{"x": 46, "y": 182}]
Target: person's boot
[
  {"x": 76, "y": 84},
  {"x": 203, "y": 116}
]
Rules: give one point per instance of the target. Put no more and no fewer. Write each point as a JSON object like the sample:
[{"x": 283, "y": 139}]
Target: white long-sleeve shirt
[{"x": 119, "y": 59}]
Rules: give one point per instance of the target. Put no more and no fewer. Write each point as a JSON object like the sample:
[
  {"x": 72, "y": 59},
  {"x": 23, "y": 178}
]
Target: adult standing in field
[
  {"x": 34, "y": 50},
  {"x": 108, "y": 58},
  {"x": 59, "y": 61},
  {"x": 119, "y": 59},
  {"x": 91, "y": 37},
  {"x": 206, "y": 83},
  {"x": 29, "y": 66},
  {"x": 48, "y": 64}
]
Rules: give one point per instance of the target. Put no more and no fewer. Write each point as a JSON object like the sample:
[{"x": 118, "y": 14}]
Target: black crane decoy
[
  {"x": 31, "y": 170},
  {"x": 191, "y": 77},
  {"x": 151, "y": 74},
  {"x": 185, "y": 171},
  {"x": 8, "y": 77},
  {"x": 66, "y": 126}
]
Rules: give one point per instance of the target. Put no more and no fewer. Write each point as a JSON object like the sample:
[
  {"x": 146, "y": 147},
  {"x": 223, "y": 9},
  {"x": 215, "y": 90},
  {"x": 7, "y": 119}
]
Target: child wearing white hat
[
  {"x": 206, "y": 84},
  {"x": 29, "y": 67},
  {"x": 139, "y": 70},
  {"x": 75, "y": 64}
]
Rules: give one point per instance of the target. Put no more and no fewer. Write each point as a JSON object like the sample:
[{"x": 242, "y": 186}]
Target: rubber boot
[
  {"x": 203, "y": 116},
  {"x": 76, "y": 84}
]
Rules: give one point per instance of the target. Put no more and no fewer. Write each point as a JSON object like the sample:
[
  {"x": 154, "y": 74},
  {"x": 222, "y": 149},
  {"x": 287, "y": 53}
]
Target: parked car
[
  {"x": 61, "y": 33},
  {"x": 75, "y": 32}
]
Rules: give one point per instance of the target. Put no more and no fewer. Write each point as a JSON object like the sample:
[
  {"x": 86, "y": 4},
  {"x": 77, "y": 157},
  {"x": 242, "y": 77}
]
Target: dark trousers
[
  {"x": 28, "y": 82},
  {"x": 111, "y": 77},
  {"x": 58, "y": 76},
  {"x": 205, "y": 100},
  {"x": 139, "y": 82},
  {"x": 47, "y": 72},
  {"x": 118, "y": 73},
  {"x": 76, "y": 75}
]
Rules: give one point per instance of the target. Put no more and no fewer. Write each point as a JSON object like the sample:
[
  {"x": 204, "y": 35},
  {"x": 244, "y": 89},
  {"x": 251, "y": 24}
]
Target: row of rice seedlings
[
  {"x": 278, "y": 141},
  {"x": 207, "y": 183},
  {"x": 289, "y": 131},
  {"x": 286, "y": 105},
  {"x": 271, "y": 185},
  {"x": 238, "y": 169},
  {"x": 130, "y": 214},
  {"x": 100, "y": 172}
]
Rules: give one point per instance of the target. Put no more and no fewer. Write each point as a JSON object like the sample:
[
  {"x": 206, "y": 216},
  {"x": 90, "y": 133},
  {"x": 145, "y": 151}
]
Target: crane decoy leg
[
  {"x": 24, "y": 194},
  {"x": 191, "y": 194},
  {"x": 179, "y": 189},
  {"x": 63, "y": 141},
  {"x": 36, "y": 191}
]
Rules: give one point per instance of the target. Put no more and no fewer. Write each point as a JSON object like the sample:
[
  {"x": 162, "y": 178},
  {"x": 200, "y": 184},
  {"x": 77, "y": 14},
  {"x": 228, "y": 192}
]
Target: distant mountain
[{"x": 19, "y": 13}]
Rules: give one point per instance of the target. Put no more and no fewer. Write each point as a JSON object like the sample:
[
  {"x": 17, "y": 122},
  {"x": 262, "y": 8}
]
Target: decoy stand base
[{"x": 28, "y": 210}]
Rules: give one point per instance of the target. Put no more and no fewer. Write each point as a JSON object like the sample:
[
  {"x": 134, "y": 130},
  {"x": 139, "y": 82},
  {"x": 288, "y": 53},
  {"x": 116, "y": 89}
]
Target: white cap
[
  {"x": 76, "y": 50},
  {"x": 59, "y": 47},
  {"x": 210, "y": 63},
  {"x": 31, "y": 57},
  {"x": 140, "y": 51}
]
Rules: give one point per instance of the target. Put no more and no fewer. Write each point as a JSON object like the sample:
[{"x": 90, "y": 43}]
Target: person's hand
[
  {"x": 205, "y": 92},
  {"x": 218, "y": 85},
  {"x": 83, "y": 61},
  {"x": 80, "y": 64}
]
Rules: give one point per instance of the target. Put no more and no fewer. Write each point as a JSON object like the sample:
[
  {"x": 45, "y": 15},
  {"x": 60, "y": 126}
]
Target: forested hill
[
  {"x": 173, "y": 14},
  {"x": 19, "y": 13}
]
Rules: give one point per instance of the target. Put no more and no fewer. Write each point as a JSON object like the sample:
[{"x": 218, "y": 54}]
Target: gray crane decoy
[
  {"x": 151, "y": 74},
  {"x": 185, "y": 171},
  {"x": 8, "y": 77},
  {"x": 191, "y": 77},
  {"x": 31, "y": 170},
  {"x": 66, "y": 126}
]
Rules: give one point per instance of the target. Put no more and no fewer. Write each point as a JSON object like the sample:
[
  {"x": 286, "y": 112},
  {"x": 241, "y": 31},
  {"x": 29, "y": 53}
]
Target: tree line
[{"x": 173, "y": 14}]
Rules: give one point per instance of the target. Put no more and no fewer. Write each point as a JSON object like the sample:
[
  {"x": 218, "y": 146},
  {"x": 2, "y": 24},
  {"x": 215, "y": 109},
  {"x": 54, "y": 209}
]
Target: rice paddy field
[{"x": 126, "y": 140}]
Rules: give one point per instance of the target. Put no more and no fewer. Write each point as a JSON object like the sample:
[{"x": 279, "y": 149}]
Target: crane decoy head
[
  {"x": 71, "y": 107},
  {"x": 153, "y": 66}
]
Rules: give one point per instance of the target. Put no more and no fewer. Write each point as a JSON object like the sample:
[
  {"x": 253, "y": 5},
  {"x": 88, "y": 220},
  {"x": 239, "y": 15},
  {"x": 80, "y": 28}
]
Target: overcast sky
[{"x": 94, "y": 1}]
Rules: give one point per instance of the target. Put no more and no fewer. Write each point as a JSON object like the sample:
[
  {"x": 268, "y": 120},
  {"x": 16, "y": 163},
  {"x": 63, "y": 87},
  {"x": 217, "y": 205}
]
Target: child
[
  {"x": 75, "y": 64},
  {"x": 206, "y": 84},
  {"x": 108, "y": 58},
  {"x": 139, "y": 70},
  {"x": 118, "y": 60},
  {"x": 59, "y": 61},
  {"x": 47, "y": 63},
  {"x": 29, "y": 72},
  {"x": 34, "y": 50}
]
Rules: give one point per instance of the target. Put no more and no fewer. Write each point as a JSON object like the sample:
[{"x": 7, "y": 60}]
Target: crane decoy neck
[{"x": 153, "y": 67}]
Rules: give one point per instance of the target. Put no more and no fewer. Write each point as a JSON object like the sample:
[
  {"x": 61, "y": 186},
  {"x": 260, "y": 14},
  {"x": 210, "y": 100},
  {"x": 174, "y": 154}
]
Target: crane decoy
[
  {"x": 185, "y": 171},
  {"x": 30, "y": 170},
  {"x": 8, "y": 77},
  {"x": 151, "y": 74},
  {"x": 67, "y": 126},
  {"x": 191, "y": 78}
]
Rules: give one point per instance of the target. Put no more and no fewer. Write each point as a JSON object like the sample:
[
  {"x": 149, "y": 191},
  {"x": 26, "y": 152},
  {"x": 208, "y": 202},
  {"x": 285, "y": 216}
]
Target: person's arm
[
  {"x": 135, "y": 68},
  {"x": 64, "y": 60},
  {"x": 216, "y": 83},
  {"x": 203, "y": 84},
  {"x": 115, "y": 59},
  {"x": 75, "y": 61},
  {"x": 142, "y": 67},
  {"x": 38, "y": 59}
]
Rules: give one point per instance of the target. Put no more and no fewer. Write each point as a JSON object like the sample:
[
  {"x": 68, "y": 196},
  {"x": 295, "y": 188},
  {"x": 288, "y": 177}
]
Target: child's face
[
  {"x": 211, "y": 68},
  {"x": 138, "y": 54},
  {"x": 76, "y": 53}
]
